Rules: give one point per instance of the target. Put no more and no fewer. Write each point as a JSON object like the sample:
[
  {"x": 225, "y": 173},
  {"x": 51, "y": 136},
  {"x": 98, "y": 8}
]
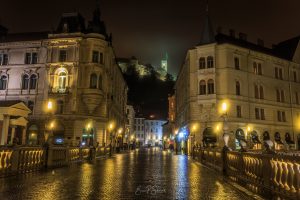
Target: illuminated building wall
[
  {"x": 74, "y": 67},
  {"x": 260, "y": 86}
]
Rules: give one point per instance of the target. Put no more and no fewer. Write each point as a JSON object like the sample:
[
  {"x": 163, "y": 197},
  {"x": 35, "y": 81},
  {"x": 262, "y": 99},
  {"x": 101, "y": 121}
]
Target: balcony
[
  {"x": 57, "y": 90},
  {"x": 92, "y": 98}
]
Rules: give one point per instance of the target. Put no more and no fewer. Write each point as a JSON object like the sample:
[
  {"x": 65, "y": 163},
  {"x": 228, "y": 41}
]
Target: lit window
[{"x": 62, "y": 80}]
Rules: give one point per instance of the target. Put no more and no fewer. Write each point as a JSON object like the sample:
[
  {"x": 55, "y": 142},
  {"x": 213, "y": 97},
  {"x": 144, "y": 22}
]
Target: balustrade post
[
  {"x": 15, "y": 160},
  {"x": 267, "y": 173},
  {"x": 80, "y": 154},
  {"x": 67, "y": 149},
  {"x": 49, "y": 158}
]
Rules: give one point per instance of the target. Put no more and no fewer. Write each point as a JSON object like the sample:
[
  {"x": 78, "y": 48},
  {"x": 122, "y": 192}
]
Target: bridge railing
[
  {"x": 19, "y": 159},
  {"x": 266, "y": 174}
]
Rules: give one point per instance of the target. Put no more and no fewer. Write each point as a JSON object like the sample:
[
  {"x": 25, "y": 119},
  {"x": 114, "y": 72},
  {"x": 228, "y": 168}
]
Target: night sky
[{"x": 148, "y": 28}]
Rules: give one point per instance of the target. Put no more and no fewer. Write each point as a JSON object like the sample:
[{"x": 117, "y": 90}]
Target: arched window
[
  {"x": 93, "y": 81},
  {"x": 62, "y": 80},
  {"x": 59, "y": 107},
  {"x": 211, "y": 86},
  {"x": 202, "y": 63},
  {"x": 210, "y": 62},
  {"x": 100, "y": 82},
  {"x": 25, "y": 82},
  {"x": 3, "y": 82},
  {"x": 237, "y": 88},
  {"x": 202, "y": 87},
  {"x": 33, "y": 79},
  {"x": 261, "y": 92}
]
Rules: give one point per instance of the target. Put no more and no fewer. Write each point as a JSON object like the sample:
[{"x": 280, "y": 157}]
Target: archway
[
  {"x": 209, "y": 137},
  {"x": 33, "y": 134}
]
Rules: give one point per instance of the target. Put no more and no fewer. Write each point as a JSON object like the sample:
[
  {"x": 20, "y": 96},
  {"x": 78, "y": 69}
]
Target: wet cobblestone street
[{"x": 141, "y": 174}]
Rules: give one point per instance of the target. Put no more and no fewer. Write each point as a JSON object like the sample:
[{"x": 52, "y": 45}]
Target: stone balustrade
[
  {"x": 21, "y": 159},
  {"x": 271, "y": 175},
  {"x": 14, "y": 160}
]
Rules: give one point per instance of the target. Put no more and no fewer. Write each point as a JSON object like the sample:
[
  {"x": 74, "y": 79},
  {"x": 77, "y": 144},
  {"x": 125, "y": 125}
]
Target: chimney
[
  {"x": 260, "y": 42},
  {"x": 232, "y": 33},
  {"x": 243, "y": 36}
]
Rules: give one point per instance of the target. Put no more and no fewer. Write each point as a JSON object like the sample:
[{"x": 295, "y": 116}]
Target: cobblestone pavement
[{"x": 142, "y": 174}]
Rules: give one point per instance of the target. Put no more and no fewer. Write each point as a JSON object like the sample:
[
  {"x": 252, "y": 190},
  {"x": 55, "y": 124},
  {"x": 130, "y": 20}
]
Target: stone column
[
  {"x": 13, "y": 130},
  {"x": 5, "y": 127},
  {"x": 23, "y": 136}
]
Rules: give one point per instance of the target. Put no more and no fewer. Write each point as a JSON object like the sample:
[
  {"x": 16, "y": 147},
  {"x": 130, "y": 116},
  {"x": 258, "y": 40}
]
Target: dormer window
[
  {"x": 3, "y": 59},
  {"x": 62, "y": 56},
  {"x": 31, "y": 58}
]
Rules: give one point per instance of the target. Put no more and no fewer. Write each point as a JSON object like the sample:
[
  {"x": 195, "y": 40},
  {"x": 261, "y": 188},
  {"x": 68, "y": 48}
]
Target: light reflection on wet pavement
[{"x": 141, "y": 174}]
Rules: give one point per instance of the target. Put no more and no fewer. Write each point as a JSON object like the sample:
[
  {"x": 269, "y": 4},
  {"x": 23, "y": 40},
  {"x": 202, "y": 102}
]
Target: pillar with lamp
[
  {"x": 49, "y": 124},
  {"x": 110, "y": 130},
  {"x": 224, "y": 116}
]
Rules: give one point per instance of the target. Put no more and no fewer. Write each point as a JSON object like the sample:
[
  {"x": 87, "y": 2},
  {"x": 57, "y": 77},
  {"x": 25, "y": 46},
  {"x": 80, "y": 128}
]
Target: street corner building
[
  {"x": 68, "y": 78},
  {"x": 230, "y": 85}
]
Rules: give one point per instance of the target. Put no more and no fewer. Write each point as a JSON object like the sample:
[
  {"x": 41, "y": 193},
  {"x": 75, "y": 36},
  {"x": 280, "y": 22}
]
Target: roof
[
  {"x": 284, "y": 50},
  {"x": 31, "y": 36},
  {"x": 287, "y": 49},
  {"x": 71, "y": 23},
  {"x": 207, "y": 36}
]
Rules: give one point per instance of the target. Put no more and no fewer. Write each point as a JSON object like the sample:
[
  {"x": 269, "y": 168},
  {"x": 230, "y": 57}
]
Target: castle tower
[{"x": 164, "y": 63}]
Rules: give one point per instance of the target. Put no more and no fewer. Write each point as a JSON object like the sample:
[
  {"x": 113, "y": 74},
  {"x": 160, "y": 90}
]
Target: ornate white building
[
  {"x": 260, "y": 86},
  {"x": 68, "y": 78},
  {"x": 154, "y": 131}
]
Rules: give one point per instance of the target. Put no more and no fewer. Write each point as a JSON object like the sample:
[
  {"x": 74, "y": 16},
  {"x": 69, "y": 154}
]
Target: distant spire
[{"x": 208, "y": 32}]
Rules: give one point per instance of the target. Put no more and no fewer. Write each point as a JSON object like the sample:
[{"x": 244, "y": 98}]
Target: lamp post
[
  {"x": 110, "y": 128},
  {"x": 225, "y": 126},
  {"x": 48, "y": 134}
]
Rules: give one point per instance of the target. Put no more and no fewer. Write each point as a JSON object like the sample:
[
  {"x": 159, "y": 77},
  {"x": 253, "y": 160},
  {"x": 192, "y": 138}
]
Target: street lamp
[{"x": 224, "y": 116}]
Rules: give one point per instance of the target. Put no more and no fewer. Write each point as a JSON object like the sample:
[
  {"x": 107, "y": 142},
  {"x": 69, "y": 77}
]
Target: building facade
[
  {"x": 154, "y": 132},
  {"x": 130, "y": 123},
  {"x": 139, "y": 124},
  {"x": 253, "y": 88},
  {"x": 68, "y": 78}
]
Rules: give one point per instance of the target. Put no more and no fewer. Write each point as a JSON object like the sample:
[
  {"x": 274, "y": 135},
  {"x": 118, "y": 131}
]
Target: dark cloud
[{"x": 148, "y": 28}]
